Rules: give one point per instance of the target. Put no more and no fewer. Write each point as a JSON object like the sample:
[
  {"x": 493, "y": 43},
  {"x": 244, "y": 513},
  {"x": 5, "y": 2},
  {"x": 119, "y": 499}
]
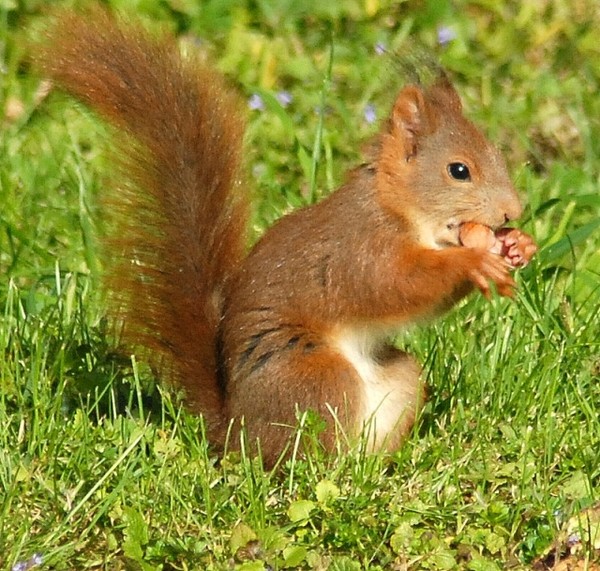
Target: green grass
[{"x": 100, "y": 469}]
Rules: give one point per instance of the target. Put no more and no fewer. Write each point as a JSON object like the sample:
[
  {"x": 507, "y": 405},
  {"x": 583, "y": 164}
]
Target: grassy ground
[{"x": 101, "y": 470}]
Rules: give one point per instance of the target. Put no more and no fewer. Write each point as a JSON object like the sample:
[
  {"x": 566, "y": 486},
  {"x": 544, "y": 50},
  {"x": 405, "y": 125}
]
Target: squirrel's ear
[
  {"x": 443, "y": 91},
  {"x": 409, "y": 119}
]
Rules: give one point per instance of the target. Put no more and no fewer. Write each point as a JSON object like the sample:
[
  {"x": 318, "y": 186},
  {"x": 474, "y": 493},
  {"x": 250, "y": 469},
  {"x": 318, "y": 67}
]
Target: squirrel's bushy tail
[{"x": 179, "y": 217}]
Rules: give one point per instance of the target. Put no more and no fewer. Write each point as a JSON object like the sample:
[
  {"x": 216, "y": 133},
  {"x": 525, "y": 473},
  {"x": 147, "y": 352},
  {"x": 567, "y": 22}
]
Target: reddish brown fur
[
  {"x": 301, "y": 322},
  {"x": 178, "y": 212}
]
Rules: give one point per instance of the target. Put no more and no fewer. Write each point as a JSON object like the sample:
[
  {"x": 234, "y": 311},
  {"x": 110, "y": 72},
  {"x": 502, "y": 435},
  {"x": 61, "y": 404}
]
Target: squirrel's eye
[{"x": 459, "y": 171}]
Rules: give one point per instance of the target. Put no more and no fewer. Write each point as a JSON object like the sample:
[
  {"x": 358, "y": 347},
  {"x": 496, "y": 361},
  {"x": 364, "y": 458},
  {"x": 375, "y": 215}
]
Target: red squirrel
[{"x": 302, "y": 321}]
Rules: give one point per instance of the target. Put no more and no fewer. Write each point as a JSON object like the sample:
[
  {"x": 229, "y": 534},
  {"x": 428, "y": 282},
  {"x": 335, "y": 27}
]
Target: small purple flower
[
  {"x": 380, "y": 48},
  {"x": 259, "y": 170},
  {"x": 35, "y": 560},
  {"x": 445, "y": 35},
  {"x": 573, "y": 539},
  {"x": 256, "y": 102},
  {"x": 370, "y": 114},
  {"x": 284, "y": 98}
]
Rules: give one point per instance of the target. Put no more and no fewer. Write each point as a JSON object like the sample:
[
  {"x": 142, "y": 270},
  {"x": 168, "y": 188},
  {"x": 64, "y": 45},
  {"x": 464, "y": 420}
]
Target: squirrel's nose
[{"x": 512, "y": 207}]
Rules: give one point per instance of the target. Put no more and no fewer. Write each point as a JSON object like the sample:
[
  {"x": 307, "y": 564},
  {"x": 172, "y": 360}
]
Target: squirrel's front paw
[
  {"x": 516, "y": 247},
  {"x": 489, "y": 267}
]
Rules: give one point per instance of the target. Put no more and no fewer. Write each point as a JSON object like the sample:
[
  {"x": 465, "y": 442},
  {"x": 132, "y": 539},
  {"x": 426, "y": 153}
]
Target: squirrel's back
[{"x": 178, "y": 212}]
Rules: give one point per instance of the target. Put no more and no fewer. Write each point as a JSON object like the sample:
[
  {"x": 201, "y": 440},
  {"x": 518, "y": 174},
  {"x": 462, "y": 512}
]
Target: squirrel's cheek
[{"x": 445, "y": 236}]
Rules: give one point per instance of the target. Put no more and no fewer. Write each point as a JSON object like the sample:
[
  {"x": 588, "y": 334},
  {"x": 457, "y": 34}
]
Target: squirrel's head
[{"x": 435, "y": 166}]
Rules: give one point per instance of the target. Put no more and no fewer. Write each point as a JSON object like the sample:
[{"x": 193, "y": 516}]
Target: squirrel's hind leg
[{"x": 267, "y": 397}]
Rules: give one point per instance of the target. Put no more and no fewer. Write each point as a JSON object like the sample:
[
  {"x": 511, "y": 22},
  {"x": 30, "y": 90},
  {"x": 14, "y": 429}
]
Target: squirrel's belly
[{"x": 388, "y": 389}]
